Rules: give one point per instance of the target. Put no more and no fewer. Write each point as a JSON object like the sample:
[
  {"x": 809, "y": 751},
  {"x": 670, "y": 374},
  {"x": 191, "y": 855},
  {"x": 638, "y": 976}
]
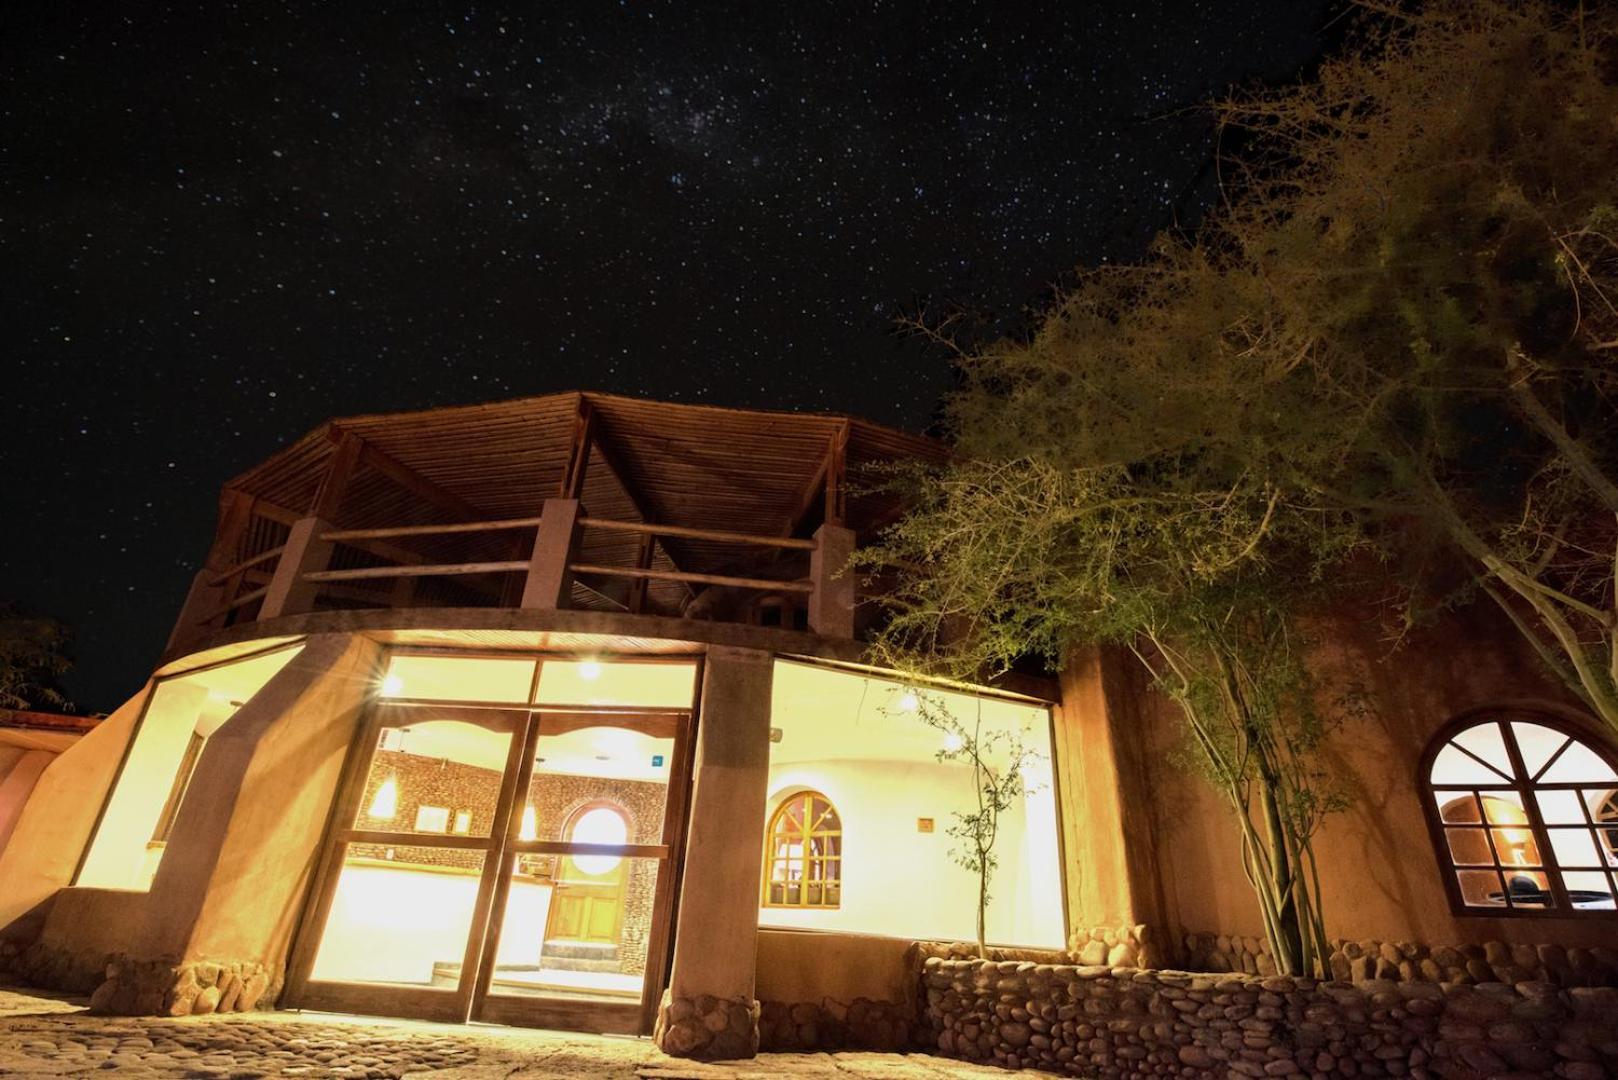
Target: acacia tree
[
  {"x": 1000, "y": 762},
  {"x": 1434, "y": 226},
  {"x": 1120, "y": 478},
  {"x": 33, "y": 655}
]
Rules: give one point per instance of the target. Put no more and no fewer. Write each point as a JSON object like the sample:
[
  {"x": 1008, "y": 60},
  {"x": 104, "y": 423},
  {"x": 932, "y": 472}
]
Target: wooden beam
[
  {"x": 828, "y": 477},
  {"x": 412, "y": 481},
  {"x": 235, "y": 513},
  {"x": 340, "y": 469},
  {"x": 769, "y": 584},
  {"x": 836, "y": 477},
  {"x": 643, "y": 561},
  {"x": 578, "y": 458},
  {"x": 721, "y": 535},
  {"x": 380, "y": 548},
  {"x": 366, "y": 573},
  {"x": 648, "y": 512}
]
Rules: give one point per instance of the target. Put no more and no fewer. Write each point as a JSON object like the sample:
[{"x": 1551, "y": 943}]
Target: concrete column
[
  {"x": 549, "y": 579},
  {"x": 305, "y": 553},
  {"x": 710, "y": 1011},
  {"x": 831, "y": 605}
]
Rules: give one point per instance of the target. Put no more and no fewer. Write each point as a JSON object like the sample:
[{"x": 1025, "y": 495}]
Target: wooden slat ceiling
[{"x": 695, "y": 465}]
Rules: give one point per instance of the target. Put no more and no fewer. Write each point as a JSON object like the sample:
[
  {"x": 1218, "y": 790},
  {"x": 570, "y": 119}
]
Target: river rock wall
[{"x": 1107, "y": 1022}]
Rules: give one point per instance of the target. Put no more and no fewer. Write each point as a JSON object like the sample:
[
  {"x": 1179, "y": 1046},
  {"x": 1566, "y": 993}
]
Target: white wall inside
[{"x": 849, "y": 736}]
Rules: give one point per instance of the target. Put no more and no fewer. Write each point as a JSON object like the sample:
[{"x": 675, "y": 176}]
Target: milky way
[{"x": 223, "y": 224}]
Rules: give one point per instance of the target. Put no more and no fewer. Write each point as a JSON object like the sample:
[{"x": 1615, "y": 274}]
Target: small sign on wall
[
  {"x": 657, "y": 761},
  {"x": 924, "y": 824}
]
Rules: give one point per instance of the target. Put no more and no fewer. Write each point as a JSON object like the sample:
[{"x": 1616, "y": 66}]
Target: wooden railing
[{"x": 301, "y": 567}]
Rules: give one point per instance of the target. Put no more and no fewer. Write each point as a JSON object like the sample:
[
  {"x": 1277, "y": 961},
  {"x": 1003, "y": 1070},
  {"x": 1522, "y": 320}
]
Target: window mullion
[{"x": 1536, "y": 824}]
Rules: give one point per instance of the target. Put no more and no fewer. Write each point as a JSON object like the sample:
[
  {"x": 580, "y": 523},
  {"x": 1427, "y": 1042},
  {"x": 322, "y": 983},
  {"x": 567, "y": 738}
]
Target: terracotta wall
[{"x": 1380, "y": 876}]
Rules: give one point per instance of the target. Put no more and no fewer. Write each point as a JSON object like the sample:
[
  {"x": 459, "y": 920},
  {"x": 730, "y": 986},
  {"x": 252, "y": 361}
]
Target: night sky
[{"x": 221, "y": 224}]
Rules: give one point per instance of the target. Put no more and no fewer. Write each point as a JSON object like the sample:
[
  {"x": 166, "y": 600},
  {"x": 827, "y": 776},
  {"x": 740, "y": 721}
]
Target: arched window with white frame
[{"x": 1524, "y": 812}]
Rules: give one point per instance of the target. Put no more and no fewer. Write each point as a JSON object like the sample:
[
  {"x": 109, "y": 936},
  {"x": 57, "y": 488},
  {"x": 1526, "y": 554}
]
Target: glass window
[
  {"x": 857, "y": 749},
  {"x": 620, "y": 683},
  {"x": 400, "y": 914},
  {"x": 804, "y": 854},
  {"x": 1524, "y": 805},
  {"x": 424, "y": 763},
  {"x": 165, "y": 751},
  {"x": 416, "y": 677}
]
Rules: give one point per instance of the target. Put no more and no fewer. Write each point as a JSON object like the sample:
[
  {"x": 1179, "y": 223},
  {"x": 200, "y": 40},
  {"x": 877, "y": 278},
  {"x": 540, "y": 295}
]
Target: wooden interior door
[{"x": 587, "y": 900}]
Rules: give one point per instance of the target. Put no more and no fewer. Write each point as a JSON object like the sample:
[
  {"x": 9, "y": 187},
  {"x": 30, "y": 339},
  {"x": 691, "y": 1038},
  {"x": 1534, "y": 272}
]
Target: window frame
[
  {"x": 178, "y": 787},
  {"x": 1523, "y": 786},
  {"x": 809, "y": 834},
  {"x": 435, "y": 810}
]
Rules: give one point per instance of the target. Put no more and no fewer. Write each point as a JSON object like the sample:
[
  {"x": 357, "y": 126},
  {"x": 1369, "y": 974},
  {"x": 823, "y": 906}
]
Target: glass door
[
  {"x": 401, "y": 909},
  {"x": 581, "y": 910},
  {"x": 513, "y": 865}
]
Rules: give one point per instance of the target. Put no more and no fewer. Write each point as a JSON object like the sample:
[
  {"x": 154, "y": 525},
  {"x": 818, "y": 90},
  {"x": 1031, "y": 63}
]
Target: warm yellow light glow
[
  {"x": 385, "y": 803},
  {"x": 530, "y": 825},
  {"x": 594, "y": 682},
  {"x": 953, "y": 742},
  {"x": 909, "y": 702},
  {"x": 392, "y": 685},
  {"x": 601, "y": 825}
]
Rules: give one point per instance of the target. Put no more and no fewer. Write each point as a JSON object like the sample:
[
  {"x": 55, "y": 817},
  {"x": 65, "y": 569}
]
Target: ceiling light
[
  {"x": 392, "y": 686},
  {"x": 909, "y": 702},
  {"x": 590, "y": 671},
  {"x": 953, "y": 742}
]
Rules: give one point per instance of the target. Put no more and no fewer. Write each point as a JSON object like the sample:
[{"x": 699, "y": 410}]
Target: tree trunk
[
  {"x": 983, "y": 905},
  {"x": 1286, "y": 936}
]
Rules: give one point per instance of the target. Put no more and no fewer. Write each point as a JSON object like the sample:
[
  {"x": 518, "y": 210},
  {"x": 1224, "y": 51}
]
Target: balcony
[{"x": 568, "y": 502}]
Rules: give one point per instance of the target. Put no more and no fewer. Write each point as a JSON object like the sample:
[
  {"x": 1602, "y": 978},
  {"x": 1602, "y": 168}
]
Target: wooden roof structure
[{"x": 627, "y": 459}]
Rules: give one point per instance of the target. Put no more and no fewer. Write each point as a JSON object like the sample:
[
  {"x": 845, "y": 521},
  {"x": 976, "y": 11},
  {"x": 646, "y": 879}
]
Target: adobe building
[{"x": 556, "y": 712}]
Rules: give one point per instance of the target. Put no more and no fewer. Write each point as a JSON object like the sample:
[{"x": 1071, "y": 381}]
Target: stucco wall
[
  {"x": 1379, "y": 874},
  {"x": 808, "y": 965},
  {"x": 20, "y": 770},
  {"x": 50, "y": 834}
]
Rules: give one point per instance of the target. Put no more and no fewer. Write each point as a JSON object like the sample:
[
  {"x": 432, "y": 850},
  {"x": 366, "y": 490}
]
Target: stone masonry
[
  {"x": 1404, "y": 961},
  {"x": 128, "y": 987},
  {"x": 707, "y": 1028},
  {"x": 1100, "y": 1021}
]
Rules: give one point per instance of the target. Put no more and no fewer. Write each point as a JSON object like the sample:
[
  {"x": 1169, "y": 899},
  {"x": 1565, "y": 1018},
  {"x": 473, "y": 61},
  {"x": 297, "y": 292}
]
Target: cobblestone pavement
[{"x": 44, "y": 1036}]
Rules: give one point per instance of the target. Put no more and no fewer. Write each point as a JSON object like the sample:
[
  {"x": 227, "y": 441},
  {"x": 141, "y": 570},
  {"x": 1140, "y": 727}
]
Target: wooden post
[
  {"x": 305, "y": 553},
  {"x": 643, "y": 561},
  {"x": 831, "y": 604},
  {"x": 204, "y": 600},
  {"x": 404, "y": 593},
  {"x": 549, "y": 580}
]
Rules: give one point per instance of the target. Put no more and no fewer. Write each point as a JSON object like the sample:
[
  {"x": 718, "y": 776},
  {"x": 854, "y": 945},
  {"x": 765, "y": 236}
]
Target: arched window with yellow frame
[{"x": 803, "y": 853}]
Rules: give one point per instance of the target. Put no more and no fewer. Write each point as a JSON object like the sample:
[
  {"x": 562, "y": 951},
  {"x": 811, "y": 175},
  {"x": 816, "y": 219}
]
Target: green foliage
[
  {"x": 1433, "y": 222},
  {"x": 33, "y": 655},
  {"x": 1393, "y": 342},
  {"x": 1000, "y": 763}
]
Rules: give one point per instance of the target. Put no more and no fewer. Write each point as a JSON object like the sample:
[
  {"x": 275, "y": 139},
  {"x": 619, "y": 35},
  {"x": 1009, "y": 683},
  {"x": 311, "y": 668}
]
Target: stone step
[{"x": 579, "y": 950}]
